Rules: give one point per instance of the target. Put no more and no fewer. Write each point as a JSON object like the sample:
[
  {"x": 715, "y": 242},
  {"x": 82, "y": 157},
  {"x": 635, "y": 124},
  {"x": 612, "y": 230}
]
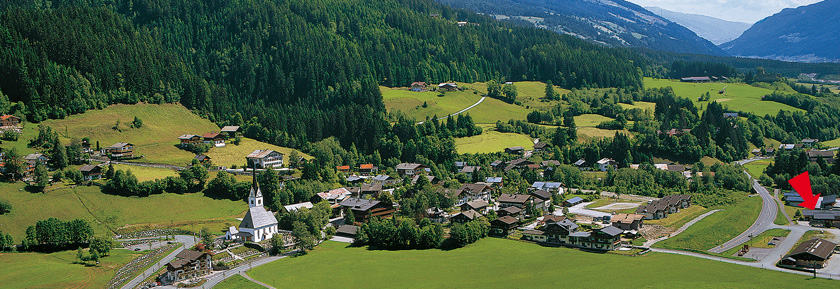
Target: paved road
[
  {"x": 188, "y": 242},
  {"x": 461, "y": 111},
  {"x": 681, "y": 229},
  {"x": 218, "y": 277},
  {"x": 769, "y": 209},
  {"x": 745, "y": 263}
]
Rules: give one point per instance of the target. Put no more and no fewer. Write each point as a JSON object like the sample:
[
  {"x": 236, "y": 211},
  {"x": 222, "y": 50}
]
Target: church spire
[{"x": 255, "y": 197}]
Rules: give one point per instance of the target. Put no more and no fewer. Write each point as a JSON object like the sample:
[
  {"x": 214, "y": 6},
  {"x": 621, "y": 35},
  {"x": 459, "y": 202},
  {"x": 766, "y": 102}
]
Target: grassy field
[
  {"x": 645, "y": 106},
  {"x": 147, "y": 173},
  {"x": 492, "y": 141},
  {"x": 587, "y": 133},
  {"x": 530, "y": 94},
  {"x": 238, "y": 282},
  {"x": 590, "y": 120},
  {"x": 492, "y": 110},
  {"x": 411, "y": 102},
  {"x": 716, "y": 228},
  {"x": 756, "y": 168},
  {"x": 832, "y": 143},
  {"x": 235, "y": 154},
  {"x": 56, "y": 270},
  {"x": 29, "y": 131},
  {"x": 162, "y": 124},
  {"x": 109, "y": 212},
  {"x": 675, "y": 221},
  {"x": 512, "y": 264},
  {"x": 738, "y": 96}
]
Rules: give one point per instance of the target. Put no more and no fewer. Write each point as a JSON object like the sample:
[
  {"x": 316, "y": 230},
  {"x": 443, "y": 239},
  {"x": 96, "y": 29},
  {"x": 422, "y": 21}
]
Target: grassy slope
[
  {"x": 238, "y": 282},
  {"x": 235, "y": 154},
  {"x": 590, "y": 120},
  {"x": 511, "y": 264},
  {"x": 716, "y": 228},
  {"x": 162, "y": 124},
  {"x": 108, "y": 211},
  {"x": 738, "y": 96},
  {"x": 411, "y": 102},
  {"x": 675, "y": 221},
  {"x": 29, "y": 131},
  {"x": 492, "y": 141},
  {"x": 147, "y": 173},
  {"x": 56, "y": 270},
  {"x": 756, "y": 168}
]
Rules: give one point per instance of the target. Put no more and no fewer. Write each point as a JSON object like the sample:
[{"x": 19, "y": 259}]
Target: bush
[
  {"x": 9, "y": 136},
  {"x": 5, "y": 207},
  {"x": 330, "y": 231}
]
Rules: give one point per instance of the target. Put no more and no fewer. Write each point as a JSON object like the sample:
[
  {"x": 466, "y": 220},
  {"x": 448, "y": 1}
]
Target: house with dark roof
[
  {"x": 416, "y": 178},
  {"x": 540, "y": 146},
  {"x": 607, "y": 238},
  {"x": 120, "y": 150},
  {"x": 517, "y": 150},
  {"x": 202, "y": 159},
  {"x": 518, "y": 164},
  {"x": 813, "y": 253},
  {"x": 91, "y": 172},
  {"x": 514, "y": 200},
  {"x": 448, "y": 86},
  {"x": 188, "y": 264},
  {"x": 364, "y": 209},
  {"x": 822, "y": 218},
  {"x": 189, "y": 139},
  {"x": 826, "y": 155},
  {"x": 385, "y": 180},
  {"x": 470, "y": 170},
  {"x": 503, "y": 226},
  {"x": 557, "y": 232},
  {"x": 730, "y": 115},
  {"x": 465, "y": 216},
  {"x": 497, "y": 165},
  {"x": 512, "y": 211},
  {"x": 469, "y": 192},
  {"x": 410, "y": 169},
  {"x": 231, "y": 131},
  {"x": 475, "y": 205},
  {"x": 549, "y": 163},
  {"x": 542, "y": 199},
  {"x": 348, "y": 231}
]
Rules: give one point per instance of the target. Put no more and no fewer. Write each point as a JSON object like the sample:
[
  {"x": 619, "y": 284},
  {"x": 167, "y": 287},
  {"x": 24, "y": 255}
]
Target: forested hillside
[{"x": 305, "y": 69}]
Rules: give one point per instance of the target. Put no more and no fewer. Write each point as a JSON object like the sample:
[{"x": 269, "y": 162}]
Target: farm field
[
  {"x": 590, "y": 120},
  {"x": 110, "y": 212},
  {"x": 716, "y": 228},
  {"x": 739, "y": 96},
  {"x": 756, "y": 168},
  {"x": 675, "y": 221},
  {"x": 438, "y": 268},
  {"x": 411, "y": 103},
  {"x": 56, "y": 270},
  {"x": 530, "y": 94},
  {"x": 231, "y": 154},
  {"x": 587, "y": 133},
  {"x": 491, "y": 141},
  {"x": 157, "y": 138},
  {"x": 238, "y": 282}
]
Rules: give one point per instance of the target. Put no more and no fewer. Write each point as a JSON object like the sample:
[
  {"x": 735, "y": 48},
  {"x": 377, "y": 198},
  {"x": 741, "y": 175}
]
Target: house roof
[
  {"x": 187, "y": 136},
  {"x": 382, "y": 178},
  {"x": 477, "y": 204},
  {"x": 809, "y": 140},
  {"x": 347, "y": 229},
  {"x": 184, "y": 257},
  {"x": 580, "y": 162},
  {"x": 366, "y": 166},
  {"x": 815, "y": 247},
  {"x": 33, "y": 157},
  {"x": 820, "y": 154},
  {"x": 493, "y": 180},
  {"x": 496, "y": 163},
  {"x": 612, "y": 231},
  {"x": 541, "y": 194},
  {"x": 120, "y": 145},
  {"x": 546, "y": 185},
  {"x": 257, "y": 217},
  {"x": 230, "y": 128},
  {"x": 532, "y": 232},
  {"x": 258, "y": 154},
  {"x": 696, "y": 78},
  {"x": 298, "y": 206},
  {"x": 605, "y": 161},
  {"x": 409, "y": 166},
  {"x": 513, "y": 198},
  {"x": 553, "y": 218},
  {"x": 575, "y": 200},
  {"x": 7, "y": 116},
  {"x": 372, "y": 187},
  {"x": 358, "y": 204},
  {"x": 201, "y": 158},
  {"x": 418, "y": 83},
  {"x": 210, "y": 135},
  {"x": 470, "y": 169},
  {"x": 88, "y": 168},
  {"x": 540, "y": 145},
  {"x": 623, "y": 218},
  {"x": 469, "y": 214},
  {"x": 580, "y": 234},
  {"x": 507, "y": 220},
  {"x": 334, "y": 194},
  {"x": 550, "y": 163},
  {"x": 511, "y": 210},
  {"x": 516, "y": 148},
  {"x": 343, "y": 168}
]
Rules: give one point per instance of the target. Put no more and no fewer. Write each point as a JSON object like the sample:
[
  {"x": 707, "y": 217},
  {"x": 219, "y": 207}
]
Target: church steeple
[{"x": 255, "y": 197}]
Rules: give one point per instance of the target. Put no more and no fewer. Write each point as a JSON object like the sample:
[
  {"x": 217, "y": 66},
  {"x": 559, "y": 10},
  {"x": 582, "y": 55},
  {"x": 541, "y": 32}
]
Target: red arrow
[{"x": 802, "y": 185}]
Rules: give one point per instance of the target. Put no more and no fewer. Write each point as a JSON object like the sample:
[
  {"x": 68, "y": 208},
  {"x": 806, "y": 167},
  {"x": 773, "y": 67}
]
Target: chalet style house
[
  {"x": 91, "y": 172},
  {"x": 188, "y": 264},
  {"x": 214, "y": 138},
  {"x": 465, "y": 216},
  {"x": 189, "y": 139},
  {"x": 514, "y": 200},
  {"x": 418, "y": 86},
  {"x": 367, "y": 169},
  {"x": 469, "y": 192},
  {"x": 9, "y": 121},
  {"x": 628, "y": 222},
  {"x": 265, "y": 159},
  {"x": 503, "y": 226},
  {"x": 364, "y": 209},
  {"x": 810, "y": 254},
  {"x": 258, "y": 224},
  {"x": 410, "y": 169},
  {"x": 661, "y": 208},
  {"x": 565, "y": 232},
  {"x": 120, "y": 150},
  {"x": 231, "y": 131}
]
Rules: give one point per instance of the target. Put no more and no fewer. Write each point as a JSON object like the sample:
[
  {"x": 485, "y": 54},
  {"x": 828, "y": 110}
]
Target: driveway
[{"x": 580, "y": 209}]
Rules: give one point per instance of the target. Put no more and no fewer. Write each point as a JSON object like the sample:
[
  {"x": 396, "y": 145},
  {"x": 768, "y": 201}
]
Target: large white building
[
  {"x": 258, "y": 224},
  {"x": 266, "y": 158}
]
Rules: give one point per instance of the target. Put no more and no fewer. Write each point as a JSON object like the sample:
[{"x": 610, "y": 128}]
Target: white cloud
[{"x": 733, "y": 10}]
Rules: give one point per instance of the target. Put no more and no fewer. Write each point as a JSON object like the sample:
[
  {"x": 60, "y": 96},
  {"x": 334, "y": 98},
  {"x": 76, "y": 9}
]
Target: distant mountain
[
  {"x": 807, "y": 34},
  {"x": 611, "y": 22},
  {"x": 713, "y": 29}
]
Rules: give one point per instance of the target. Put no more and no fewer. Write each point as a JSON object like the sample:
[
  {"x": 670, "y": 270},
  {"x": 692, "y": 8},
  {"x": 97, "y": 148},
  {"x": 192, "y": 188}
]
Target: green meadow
[
  {"x": 717, "y": 228},
  {"x": 738, "y": 96},
  {"x": 499, "y": 263},
  {"x": 491, "y": 141},
  {"x": 231, "y": 154},
  {"x": 56, "y": 270},
  {"x": 237, "y": 282}
]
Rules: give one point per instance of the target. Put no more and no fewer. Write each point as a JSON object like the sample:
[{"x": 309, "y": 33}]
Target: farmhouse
[
  {"x": 258, "y": 224},
  {"x": 815, "y": 155},
  {"x": 697, "y": 79},
  {"x": 214, "y": 138},
  {"x": 517, "y": 150},
  {"x": 410, "y": 169},
  {"x": 514, "y": 200},
  {"x": 363, "y": 209},
  {"x": 367, "y": 169},
  {"x": 418, "y": 86},
  {"x": 822, "y": 218},
  {"x": 188, "y": 264},
  {"x": 541, "y": 146},
  {"x": 503, "y": 226},
  {"x": 120, "y": 150},
  {"x": 511, "y": 211},
  {"x": 813, "y": 253},
  {"x": 91, "y": 172},
  {"x": 809, "y": 142},
  {"x": 265, "y": 158},
  {"x": 730, "y": 115},
  {"x": 469, "y": 192},
  {"x": 9, "y": 120},
  {"x": 231, "y": 131},
  {"x": 189, "y": 139},
  {"x": 202, "y": 159},
  {"x": 36, "y": 158},
  {"x": 448, "y": 86},
  {"x": 628, "y": 222},
  {"x": 557, "y": 232}
]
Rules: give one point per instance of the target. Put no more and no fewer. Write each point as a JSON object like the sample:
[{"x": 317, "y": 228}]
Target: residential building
[
  {"x": 465, "y": 216},
  {"x": 557, "y": 232},
  {"x": 373, "y": 189},
  {"x": 573, "y": 202},
  {"x": 730, "y": 115},
  {"x": 187, "y": 265},
  {"x": 202, "y": 159},
  {"x": 581, "y": 164},
  {"x": 540, "y": 146},
  {"x": 189, "y": 139},
  {"x": 514, "y": 200},
  {"x": 385, "y": 180},
  {"x": 410, "y": 169},
  {"x": 265, "y": 159},
  {"x": 696, "y": 79},
  {"x": 36, "y": 158},
  {"x": 231, "y": 131},
  {"x": 348, "y": 231},
  {"x": 334, "y": 197},
  {"x": 363, "y": 209},
  {"x": 517, "y": 150},
  {"x": 542, "y": 199},
  {"x": 448, "y": 86},
  {"x": 469, "y": 170},
  {"x": 437, "y": 215},
  {"x": 9, "y": 120},
  {"x": 827, "y": 156},
  {"x": 296, "y": 207},
  {"x": 822, "y": 218},
  {"x": 367, "y": 169},
  {"x": 343, "y": 169},
  {"x": 515, "y": 212},
  {"x": 628, "y": 222},
  {"x": 607, "y": 238},
  {"x": 551, "y": 187},
  {"x": 606, "y": 164},
  {"x": 549, "y": 163},
  {"x": 503, "y": 226},
  {"x": 495, "y": 182},
  {"x": 519, "y": 164},
  {"x": 475, "y": 205},
  {"x": 120, "y": 150},
  {"x": 813, "y": 253},
  {"x": 469, "y": 192},
  {"x": 214, "y": 138},
  {"x": 809, "y": 142},
  {"x": 414, "y": 179},
  {"x": 258, "y": 224},
  {"x": 91, "y": 172},
  {"x": 497, "y": 165},
  {"x": 418, "y": 86}
]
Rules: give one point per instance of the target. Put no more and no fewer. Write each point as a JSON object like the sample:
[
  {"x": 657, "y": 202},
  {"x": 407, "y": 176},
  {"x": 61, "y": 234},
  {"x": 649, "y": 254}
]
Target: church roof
[{"x": 257, "y": 217}]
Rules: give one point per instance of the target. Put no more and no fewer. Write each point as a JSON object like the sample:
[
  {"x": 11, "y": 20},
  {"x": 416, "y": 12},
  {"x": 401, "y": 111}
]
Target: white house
[
  {"x": 266, "y": 158},
  {"x": 295, "y": 207},
  {"x": 605, "y": 164},
  {"x": 259, "y": 224}
]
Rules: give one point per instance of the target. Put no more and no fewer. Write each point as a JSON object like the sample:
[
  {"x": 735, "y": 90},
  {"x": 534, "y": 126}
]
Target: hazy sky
[{"x": 748, "y": 11}]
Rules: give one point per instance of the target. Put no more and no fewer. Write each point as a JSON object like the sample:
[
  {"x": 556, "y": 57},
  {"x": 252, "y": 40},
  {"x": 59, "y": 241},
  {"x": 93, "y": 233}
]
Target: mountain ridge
[{"x": 716, "y": 30}]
